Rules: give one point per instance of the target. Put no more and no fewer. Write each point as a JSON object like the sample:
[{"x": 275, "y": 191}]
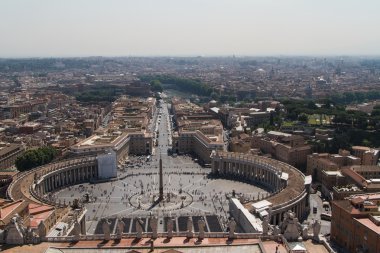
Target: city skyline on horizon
[
  {"x": 375, "y": 56},
  {"x": 170, "y": 28}
]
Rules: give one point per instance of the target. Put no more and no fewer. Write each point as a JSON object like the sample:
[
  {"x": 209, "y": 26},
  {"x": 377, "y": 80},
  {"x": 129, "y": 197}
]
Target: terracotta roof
[
  {"x": 9, "y": 208},
  {"x": 327, "y": 162},
  {"x": 10, "y": 148},
  {"x": 364, "y": 168},
  {"x": 4, "y": 202},
  {"x": 36, "y": 219},
  {"x": 355, "y": 176},
  {"x": 346, "y": 206},
  {"x": 35, "y": 209},
  {"x": 39, "y": 213},
  {"x": 357, "y": 200},
  {"x": 369, "y": 224}
]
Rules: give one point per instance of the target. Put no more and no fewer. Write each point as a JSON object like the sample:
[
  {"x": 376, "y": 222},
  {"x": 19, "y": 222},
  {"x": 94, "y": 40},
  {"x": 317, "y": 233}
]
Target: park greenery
[
  {"x": 332, "y": 112},
  {"x": 96, "y": 96},
  {"x": 351, "y": 127},
  {"x": 96, "y": 93},
  {"x": 196, "y": 87},
  {"x": 355, "y": 97},
  {"x": 156, "y": 86},
  {"x": 35, "y": 157}
]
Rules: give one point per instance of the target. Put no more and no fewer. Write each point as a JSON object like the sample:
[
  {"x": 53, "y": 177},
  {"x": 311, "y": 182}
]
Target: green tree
[
  {"x": 311, "y": 105},
  {"x": 376, "y": 111},
  {"x": 214, "y": 96},
  {"x": 35, "y": 157},
  {"x": 182, "y": 84},
  {"x": 303, "y": 117},
  {"x": 340, "y": 141},
  {"x": 155, "y": 85}
]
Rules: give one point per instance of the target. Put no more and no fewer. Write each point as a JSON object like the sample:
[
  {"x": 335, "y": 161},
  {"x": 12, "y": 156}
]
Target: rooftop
[
  {"x": 8, "y": 148},
  {"x": 8, "y": 209},
  {"x": 369, "y": 224}
]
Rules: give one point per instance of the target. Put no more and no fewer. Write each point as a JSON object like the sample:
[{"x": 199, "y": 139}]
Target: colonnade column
[
  {"x": 50, "y": 183},
  {"x": 83, "y": 225}
]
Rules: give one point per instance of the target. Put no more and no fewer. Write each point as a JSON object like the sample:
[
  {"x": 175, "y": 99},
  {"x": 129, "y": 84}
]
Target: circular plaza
[{"x": 188, "y": 190}]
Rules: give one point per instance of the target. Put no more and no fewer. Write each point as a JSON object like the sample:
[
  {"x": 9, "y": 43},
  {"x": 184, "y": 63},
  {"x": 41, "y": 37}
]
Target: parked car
[{"x": 326, "y": 216}]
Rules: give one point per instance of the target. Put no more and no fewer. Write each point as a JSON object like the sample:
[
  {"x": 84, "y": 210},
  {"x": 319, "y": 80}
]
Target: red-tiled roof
[
  {"x": 357, "y": 200},
  {"x": 35, "y": 209},
  {"x": 36, "y": 219},
  {"x": 355, "y": 176},
  {"x": 347, "y": 206},
  {"x": 369, "y": 224},
  {"x": 9, "y": 208},
  {"x": 39, "y": 213}
]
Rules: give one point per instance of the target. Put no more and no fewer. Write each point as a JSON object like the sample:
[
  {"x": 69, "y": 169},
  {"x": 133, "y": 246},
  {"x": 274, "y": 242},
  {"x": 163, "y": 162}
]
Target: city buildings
[
  {"x": 368, "y": 156},
  {"x": 288, "y": 148},
  {"x": 8, "y": 154},
  {"x": 317, "y": 163},
  {"x": 97, "y": 139},
  {"x": 128, "y": 131},
  {"x": 355, "y": 223},
  {"x": 197, "y": 132},
  {"x": 343, "y": 174}
]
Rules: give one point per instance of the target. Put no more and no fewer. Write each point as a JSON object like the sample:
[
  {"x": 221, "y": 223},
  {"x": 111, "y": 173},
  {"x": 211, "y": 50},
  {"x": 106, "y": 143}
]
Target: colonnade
[
  {"x": 68, "y": 174},
  {"x": 298, "y": 207},
  {"x": 267, "y": 172},
  {"x": 256, "y": 171}
]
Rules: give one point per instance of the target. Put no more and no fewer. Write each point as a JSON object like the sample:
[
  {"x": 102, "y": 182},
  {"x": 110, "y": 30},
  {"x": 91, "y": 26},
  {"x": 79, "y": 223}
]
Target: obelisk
[{"x": 161, "y": 186}]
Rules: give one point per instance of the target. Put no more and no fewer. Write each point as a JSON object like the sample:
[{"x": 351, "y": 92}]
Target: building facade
[
  {"x": 9, "y": 154},
  {"x": 355, "y": 223},
  {"x": 284, "y": 147}
]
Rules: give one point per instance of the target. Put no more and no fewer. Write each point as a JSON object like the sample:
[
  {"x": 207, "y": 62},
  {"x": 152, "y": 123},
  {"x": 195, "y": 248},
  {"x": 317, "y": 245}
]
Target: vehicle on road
[
  {"x": 326, "y": 216},
  {"x": 326, "y": 205}
]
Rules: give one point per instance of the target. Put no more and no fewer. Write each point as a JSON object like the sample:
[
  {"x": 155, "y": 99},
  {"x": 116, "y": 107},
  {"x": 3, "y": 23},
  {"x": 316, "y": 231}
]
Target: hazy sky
[{"x": 30, "y": 28}]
